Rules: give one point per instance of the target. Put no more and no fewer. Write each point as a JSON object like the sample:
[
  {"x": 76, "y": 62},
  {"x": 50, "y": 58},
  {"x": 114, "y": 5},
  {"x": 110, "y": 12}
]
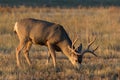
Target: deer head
[{"x": 78, "y": 53}]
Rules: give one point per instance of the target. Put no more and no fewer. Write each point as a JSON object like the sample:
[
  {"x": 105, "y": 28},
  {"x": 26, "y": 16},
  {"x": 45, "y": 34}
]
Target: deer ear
[{"x": 79, "y": 49}]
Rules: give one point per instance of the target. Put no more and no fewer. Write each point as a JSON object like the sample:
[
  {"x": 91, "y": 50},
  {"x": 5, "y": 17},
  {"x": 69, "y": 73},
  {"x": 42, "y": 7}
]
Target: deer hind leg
[
  {"x": 26, "y": 52},
  {"x": 18, "y": 51},
  {"x": 52, "y": 53}
]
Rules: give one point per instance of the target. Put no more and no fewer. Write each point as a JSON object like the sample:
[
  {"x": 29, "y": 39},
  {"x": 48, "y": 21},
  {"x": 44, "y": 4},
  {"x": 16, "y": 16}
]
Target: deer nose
[{"x": 77, "y": 66}]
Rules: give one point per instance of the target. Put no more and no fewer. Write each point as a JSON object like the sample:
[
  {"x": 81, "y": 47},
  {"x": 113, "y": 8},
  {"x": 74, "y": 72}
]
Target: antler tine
[
  {"x": 73, "y": 50},
  {"x": 93, "y": 52},
  {"x": 95, "y": 49},
  {"x": 90, "y": 51},
  {"x": 91, "y": 43},
  {"x": 74, "y": 42}
]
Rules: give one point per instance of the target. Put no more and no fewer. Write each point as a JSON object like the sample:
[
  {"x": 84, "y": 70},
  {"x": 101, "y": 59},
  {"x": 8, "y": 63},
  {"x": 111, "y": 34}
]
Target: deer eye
[{"x": 76, "y": 60}]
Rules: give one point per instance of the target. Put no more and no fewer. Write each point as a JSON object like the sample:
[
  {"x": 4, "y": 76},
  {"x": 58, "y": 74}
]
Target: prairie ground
[{"x": 104, "y": 23}]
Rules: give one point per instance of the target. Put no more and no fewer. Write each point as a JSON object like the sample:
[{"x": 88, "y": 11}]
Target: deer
[{"x": 53, "y": 36}]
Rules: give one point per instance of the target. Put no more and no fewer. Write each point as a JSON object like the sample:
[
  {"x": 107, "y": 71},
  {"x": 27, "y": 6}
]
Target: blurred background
[{"x": 60, "y": 3}]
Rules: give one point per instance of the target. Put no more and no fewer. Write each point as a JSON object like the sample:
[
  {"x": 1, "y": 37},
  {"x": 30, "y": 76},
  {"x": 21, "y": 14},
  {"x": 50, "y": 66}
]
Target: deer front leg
[{"x": 52, "y": 53}]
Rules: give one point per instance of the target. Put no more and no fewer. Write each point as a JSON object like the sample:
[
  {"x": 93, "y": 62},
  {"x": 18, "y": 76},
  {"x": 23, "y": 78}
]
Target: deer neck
[{"x": 64, "y": 48}]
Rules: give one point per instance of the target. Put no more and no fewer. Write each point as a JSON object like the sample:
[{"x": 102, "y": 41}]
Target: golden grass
[{"x": 85, "y": 22}]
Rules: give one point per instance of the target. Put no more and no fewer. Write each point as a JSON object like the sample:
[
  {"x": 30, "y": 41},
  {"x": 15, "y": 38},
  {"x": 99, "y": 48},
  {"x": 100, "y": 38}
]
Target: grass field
[{"x": 84, "y": 22}]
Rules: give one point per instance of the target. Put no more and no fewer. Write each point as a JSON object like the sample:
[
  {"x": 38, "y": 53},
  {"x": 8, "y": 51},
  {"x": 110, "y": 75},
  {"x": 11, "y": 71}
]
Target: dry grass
[{"x": 101, "y": 22}]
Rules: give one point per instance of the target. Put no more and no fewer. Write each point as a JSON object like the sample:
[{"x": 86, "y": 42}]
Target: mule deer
[{"x": 32, "y": 31}]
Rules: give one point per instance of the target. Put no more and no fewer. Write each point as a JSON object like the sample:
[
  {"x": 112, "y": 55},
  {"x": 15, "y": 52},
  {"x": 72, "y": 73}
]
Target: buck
[{"x": 54, "y": 36}]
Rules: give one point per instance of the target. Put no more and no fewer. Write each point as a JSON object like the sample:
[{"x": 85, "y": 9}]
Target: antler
[
  {"x": 88, "y": 48},
  {"x": 72, "y": 47},
  {"x": 73, "y": 50},
  {"x": 73, "y": 43}
]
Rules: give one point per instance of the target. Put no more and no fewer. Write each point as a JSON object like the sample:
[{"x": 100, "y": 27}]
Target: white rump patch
[{"x": 15, "y": 27}]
